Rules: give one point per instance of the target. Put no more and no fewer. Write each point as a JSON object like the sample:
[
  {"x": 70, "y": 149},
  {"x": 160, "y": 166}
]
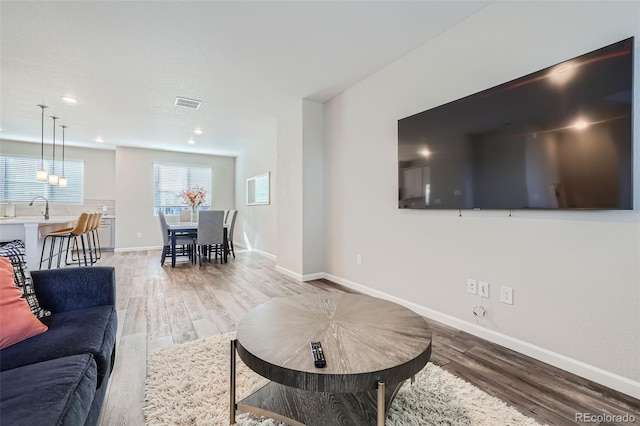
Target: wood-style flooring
[{"x": 159, "y": 306}]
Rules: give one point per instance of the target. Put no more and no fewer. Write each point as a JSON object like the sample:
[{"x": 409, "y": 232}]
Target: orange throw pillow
[{"x": 17, "y": 323}]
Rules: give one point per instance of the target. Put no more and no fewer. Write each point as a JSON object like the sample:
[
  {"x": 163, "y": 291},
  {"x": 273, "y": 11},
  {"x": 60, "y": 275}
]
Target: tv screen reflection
[{"x": 560, "y": 138}]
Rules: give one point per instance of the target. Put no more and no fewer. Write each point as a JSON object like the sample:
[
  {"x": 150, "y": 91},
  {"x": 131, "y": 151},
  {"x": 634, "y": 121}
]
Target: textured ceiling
[{"x": 125, "y": 62}]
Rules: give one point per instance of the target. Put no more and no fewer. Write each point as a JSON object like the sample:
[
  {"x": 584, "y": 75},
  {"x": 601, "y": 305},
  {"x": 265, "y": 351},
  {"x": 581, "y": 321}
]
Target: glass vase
[{"x": 194, "y": 214}]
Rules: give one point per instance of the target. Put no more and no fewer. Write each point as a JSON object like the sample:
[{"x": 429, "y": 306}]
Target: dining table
[{"x": 191, "y": 228}]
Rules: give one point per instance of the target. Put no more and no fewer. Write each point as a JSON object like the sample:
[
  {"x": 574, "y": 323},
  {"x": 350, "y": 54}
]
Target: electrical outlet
[
  {"x": 472, "y": 286},
  {"x": 358, "y": 259},
  {"x": 483, "y": 289},
  {"x": 506, "y": 295}
]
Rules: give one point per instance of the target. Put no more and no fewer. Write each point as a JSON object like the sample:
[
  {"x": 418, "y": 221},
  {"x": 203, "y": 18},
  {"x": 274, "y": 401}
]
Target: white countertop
[{"x": 21, "y": 220}]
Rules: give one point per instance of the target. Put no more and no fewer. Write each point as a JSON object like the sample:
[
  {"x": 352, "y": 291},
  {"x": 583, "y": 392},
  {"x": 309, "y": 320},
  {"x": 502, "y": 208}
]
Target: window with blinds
[
  {"x": 169, "y": 180},
  {"x": 19, "y": 184}
]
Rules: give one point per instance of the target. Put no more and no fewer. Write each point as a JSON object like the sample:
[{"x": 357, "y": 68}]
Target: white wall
[
  {"x": 312, "y": 188},
  {"x": 575, "y": 275},
  {"x": 134, "y": 192},
  {"x": 256, "y": 225},
  {"x": 289, "y": 190},
  {"x": 300, "y": 242}
]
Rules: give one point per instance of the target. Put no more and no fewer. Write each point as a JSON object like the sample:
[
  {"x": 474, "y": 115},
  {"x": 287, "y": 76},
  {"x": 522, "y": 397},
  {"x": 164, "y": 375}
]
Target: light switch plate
[{"x": 483, "y": 289}]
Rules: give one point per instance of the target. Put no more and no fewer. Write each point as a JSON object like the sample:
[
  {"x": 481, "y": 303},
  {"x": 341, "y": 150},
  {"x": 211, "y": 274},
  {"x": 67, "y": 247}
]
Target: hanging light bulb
[
  {"x": 53, "y": 177},
  {"x": 62, "y": 181},
  {"x": 41, "y": 175}
]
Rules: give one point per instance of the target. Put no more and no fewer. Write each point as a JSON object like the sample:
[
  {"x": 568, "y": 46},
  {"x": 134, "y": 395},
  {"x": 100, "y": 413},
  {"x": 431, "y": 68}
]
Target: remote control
[{"x": 318, "y": 355}]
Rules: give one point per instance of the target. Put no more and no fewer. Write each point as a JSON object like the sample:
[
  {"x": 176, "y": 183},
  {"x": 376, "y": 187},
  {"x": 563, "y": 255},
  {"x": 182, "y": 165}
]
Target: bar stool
[
  {"x": 96, "y": 236},
  {"x": 84, "y": 222},
  {"x": 60, "y": 237},
  {"x": 92, "y": 241},
  {"x": 89, "y": 233}
]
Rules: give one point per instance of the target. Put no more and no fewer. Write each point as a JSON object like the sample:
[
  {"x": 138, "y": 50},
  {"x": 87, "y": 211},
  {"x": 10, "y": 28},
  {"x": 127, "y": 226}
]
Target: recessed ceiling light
[
  {"x": 99, "y": 139},
  {"x": 581, "y": 124},
  {"x": 69, "y": 99},
  {"x": 191, "y": 142},
  {"x": 562, "y": 73},
  {"x": 198, "y": 131}
]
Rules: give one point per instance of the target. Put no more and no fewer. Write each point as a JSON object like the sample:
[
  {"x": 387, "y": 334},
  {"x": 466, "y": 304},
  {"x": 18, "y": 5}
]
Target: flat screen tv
[{"x": 559, "y": 138}]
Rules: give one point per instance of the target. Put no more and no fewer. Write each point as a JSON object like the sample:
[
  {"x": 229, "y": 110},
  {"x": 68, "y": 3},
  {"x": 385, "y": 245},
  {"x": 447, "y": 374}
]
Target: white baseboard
[
  {"x": 125, "y": 249},
  {"x": 299, "y": 277},
  {"x": 598, "y": 375},
  {"x": 311, "y": 277},
  {"x": 292, "y": 274},
  {"x": 265, "y": 254}
]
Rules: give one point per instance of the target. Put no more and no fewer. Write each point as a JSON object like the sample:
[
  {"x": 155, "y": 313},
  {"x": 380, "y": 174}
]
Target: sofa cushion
[
  {"x": 14, "y": 251},
  {"x": 54, "y": 392},
  {"x": 17, "y": 323},
  {"x": 90, "y": 330}
]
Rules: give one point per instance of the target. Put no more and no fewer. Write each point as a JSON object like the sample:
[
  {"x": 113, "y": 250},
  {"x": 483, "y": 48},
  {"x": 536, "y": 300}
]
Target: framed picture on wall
[{"x": 258, "y": 190}]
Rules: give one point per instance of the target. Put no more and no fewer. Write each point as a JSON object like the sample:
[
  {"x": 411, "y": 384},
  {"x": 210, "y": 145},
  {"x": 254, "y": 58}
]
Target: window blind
[
  {"x": 18, "y": 180},
  {"x": 171, "y": 179}
]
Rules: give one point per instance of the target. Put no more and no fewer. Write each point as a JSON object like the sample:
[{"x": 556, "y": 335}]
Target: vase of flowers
[{"x": 193, "y": 197}]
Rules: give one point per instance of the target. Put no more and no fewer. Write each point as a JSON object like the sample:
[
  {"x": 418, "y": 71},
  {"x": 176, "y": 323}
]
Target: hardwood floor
[{"x": 159, "y": 306}]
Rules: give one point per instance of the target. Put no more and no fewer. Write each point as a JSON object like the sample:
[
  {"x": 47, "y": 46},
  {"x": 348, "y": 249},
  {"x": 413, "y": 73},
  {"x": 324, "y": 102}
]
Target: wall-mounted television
[{"x": 559, "y": 138}]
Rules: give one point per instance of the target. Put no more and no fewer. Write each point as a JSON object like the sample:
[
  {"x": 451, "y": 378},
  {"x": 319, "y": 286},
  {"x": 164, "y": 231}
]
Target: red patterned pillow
[{"x": 17, "y": 322}]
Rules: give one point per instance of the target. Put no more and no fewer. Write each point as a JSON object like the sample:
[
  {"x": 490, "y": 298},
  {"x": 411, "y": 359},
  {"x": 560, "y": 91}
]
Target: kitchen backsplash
[{"x": 60, "y": 209}]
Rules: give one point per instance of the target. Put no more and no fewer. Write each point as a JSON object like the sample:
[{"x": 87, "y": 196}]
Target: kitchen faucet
[{"x": 46, "y": 208}]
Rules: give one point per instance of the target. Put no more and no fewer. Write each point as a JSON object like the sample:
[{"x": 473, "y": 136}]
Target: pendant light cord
[
  {"x": 54, "y": 144},
  {"x": 63, "y": 127},
  {"x": 42, "y": 137}
]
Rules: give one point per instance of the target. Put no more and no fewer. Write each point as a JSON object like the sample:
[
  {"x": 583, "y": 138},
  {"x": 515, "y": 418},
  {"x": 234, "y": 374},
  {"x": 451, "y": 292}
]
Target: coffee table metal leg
[
  {"x": 232, "y": 384},
  {"x": 381, "y": 408}
]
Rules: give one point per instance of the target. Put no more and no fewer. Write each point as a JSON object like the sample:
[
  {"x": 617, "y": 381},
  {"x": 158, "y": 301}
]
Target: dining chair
[
  {"x": 210, "y": 234},
  {"x": 230, "y": 223},
  {"x": 184, "y": 241}
]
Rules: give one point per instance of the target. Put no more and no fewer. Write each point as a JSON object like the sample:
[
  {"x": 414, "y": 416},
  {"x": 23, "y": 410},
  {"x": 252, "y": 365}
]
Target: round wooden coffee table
[{"x": 371, "y": 346}]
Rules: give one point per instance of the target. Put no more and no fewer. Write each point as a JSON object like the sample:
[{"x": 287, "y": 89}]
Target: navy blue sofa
[{"x": 60, "y": 377}]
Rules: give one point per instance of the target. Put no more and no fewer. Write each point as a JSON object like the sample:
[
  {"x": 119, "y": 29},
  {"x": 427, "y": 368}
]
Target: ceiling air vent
[{"x": 188, "y": 103}]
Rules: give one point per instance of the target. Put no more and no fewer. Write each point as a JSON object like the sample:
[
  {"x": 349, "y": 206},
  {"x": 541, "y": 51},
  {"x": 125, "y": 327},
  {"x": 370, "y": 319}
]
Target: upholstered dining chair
[
  {"x": 230, "y": 223},
  {"x": 184, "y": 241},
  {"x": 210, "y": 234}
]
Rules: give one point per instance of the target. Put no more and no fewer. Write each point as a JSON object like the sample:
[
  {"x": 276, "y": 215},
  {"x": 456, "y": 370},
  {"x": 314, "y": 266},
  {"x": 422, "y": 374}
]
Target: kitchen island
[{"x": 31, "y": 230}]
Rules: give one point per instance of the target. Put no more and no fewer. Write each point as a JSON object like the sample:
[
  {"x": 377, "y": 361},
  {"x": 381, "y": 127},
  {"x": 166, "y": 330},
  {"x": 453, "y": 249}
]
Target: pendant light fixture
[
  {"x": 41, "y": 175},
  {"x": 53, "y": 177},
  {"x": 62, "y": 181}
]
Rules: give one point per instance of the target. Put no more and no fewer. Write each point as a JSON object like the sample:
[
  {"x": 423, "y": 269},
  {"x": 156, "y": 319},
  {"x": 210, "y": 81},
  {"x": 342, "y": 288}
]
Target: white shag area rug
[{"x": 188, "y": 384}]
